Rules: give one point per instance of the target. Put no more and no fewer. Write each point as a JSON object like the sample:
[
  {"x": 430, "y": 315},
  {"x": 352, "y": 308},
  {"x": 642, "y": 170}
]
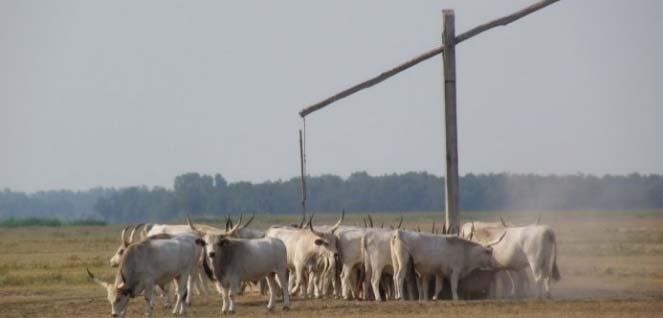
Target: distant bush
[
  {"x": 87, "y": 222},
  {"x": 48, "y": 222}
]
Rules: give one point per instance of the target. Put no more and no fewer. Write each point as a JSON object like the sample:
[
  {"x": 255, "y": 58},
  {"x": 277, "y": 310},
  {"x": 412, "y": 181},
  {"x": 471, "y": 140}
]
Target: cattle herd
[{"x": 483, "y": 260}]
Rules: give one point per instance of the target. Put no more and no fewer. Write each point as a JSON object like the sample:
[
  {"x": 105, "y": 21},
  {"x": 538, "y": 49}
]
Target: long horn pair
[
  {"x": 237, "y": 226},
  {"x": 310, "y": 226},
  {"x": 133, "y": 232},
  {"x": 502, "y": 221},
  {"x": 400, "y": 223},
  {"x": 249, "y": 221},
  {"x": 193, "y": 227},
  {"x": 338, "y": 223},
  {"x": 499, "y": 239},
  {"x": 96, "y": 280},
  {"x": 122, "y": 236}
]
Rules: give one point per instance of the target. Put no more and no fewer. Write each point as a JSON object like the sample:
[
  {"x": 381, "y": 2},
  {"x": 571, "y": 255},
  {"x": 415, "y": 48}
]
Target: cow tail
[{"x": 555, "y": 271}]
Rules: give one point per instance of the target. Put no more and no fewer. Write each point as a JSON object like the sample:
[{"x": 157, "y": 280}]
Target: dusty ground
[{"x": 611, "y": 265}]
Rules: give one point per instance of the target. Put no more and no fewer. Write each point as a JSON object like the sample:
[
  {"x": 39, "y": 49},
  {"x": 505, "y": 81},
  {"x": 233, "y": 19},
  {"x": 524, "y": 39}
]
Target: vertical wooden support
[
  {"x": 451, "y": 131},
  {"x": 303, "y": 176}
]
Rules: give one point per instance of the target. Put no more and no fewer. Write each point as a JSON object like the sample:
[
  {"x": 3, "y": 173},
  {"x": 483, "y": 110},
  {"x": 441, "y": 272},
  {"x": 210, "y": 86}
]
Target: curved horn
[
  {"x": 400, "y": 223},
  {"x": 96, "y": 280},
  {"x": 237, "y": 226},
  {"x": 146, "y": 229},
  {"x": 133, "y": 232},
  {"x": 370, "y": 220},
  {"x": 310, "y": 222},
  {"x": 497, "y": 240},
  {"x": 122, "y": 238},
  {"x": 502, "y": 221},
  {"x": 365, "y": 225},
  {"x": 310, "y": 226},
  {"x": 338, "y": 223},
  {"x": 432, "y": 230},
  {"x": 301, "y": 224},
  {"x": 193, "y": 227},
  {"x": 227, "y": 223},
  {"x": 250, "y": 220},
  {"x": 471, "y": 231}
]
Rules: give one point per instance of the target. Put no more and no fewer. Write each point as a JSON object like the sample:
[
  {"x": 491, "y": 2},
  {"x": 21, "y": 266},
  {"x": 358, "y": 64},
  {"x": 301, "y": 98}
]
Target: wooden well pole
[{"x": 450, "y": 127}]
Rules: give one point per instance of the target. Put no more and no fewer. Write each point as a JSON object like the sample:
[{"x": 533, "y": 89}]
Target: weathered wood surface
[
  {"x": 451, "y": 192},
  {"x": 423, "y": 57}
]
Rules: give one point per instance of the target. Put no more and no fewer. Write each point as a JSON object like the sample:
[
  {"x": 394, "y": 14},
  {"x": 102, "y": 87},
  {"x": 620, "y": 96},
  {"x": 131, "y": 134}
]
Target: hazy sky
[{"x": 120, "y": 93}]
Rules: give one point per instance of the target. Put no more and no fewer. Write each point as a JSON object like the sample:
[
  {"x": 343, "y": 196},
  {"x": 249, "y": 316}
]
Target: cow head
[
  {"x": 209, "y": 240},
  {"x": 115, "y": 260},
  {"x": 483, "y": 255},
  {"x": 118, "y": 294},
  {"x": 326, "y": 241}
]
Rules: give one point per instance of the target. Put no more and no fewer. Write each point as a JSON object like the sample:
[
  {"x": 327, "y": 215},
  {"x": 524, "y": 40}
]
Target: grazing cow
[
  {"x": 437, "y": 256},
  {"x": 235, "y": 260},
  {"x": 305, "y": 246},
  {"x": 154, "y": 261},
  {"x": 533, "y": 247}
]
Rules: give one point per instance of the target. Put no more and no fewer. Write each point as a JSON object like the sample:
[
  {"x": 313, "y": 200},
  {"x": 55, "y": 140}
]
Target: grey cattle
[
  {"x": 154, "y": 261},
  {"x": 236, "y": 260}
]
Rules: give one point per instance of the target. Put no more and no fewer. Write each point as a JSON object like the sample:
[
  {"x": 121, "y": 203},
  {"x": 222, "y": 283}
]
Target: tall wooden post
[{"x": 451, "y": 131}]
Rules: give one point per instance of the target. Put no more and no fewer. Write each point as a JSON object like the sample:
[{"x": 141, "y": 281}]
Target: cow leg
[
  {"x": 282, "y": 277},
  {"x": 224, "y": 297},
  {"x": 425, "y": 283},
  {"x": 455, "y": 277},
  {"x": 189, "y": 282},
  {"x": 202, "y": 282},
  {"x": 399, "y": 279},
  {"x": 234, "y": 286},
  {"x": 148, "y": 299},
  {"x": 182, "y": 294},
  {"x": 546, "y": 287},
  {"x": 271, "y": 284},
  {"x": 439, "y": 285},
  {"x": 376, "y": 274},
  {"x": 299, "y": 280}
]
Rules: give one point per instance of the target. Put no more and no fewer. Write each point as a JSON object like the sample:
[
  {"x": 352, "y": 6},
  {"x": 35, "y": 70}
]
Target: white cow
[
  {"x": 305, "y": 246},
  {"x": 533, "y": 247},
  {"x": 377, "y": 252},
  {"x": 154, "y": 261},
  {"x": 437, "y": 256}
]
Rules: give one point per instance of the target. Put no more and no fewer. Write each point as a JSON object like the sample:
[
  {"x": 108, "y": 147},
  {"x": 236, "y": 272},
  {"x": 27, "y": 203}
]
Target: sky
[{"x": 123, "y": 93}]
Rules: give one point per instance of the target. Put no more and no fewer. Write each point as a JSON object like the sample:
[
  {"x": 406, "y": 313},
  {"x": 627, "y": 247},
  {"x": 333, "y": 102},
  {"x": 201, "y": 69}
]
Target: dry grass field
[{"x": 611, "y": 265}]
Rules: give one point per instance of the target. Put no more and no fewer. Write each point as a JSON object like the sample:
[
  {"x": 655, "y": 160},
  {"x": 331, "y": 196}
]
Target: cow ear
[
  {"x": 200, "y": 242},
  {"x": 319, "y": 242}
]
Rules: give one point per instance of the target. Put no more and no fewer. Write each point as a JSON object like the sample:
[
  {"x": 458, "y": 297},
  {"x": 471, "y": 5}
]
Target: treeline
[{"x": 199, "y": 195}]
